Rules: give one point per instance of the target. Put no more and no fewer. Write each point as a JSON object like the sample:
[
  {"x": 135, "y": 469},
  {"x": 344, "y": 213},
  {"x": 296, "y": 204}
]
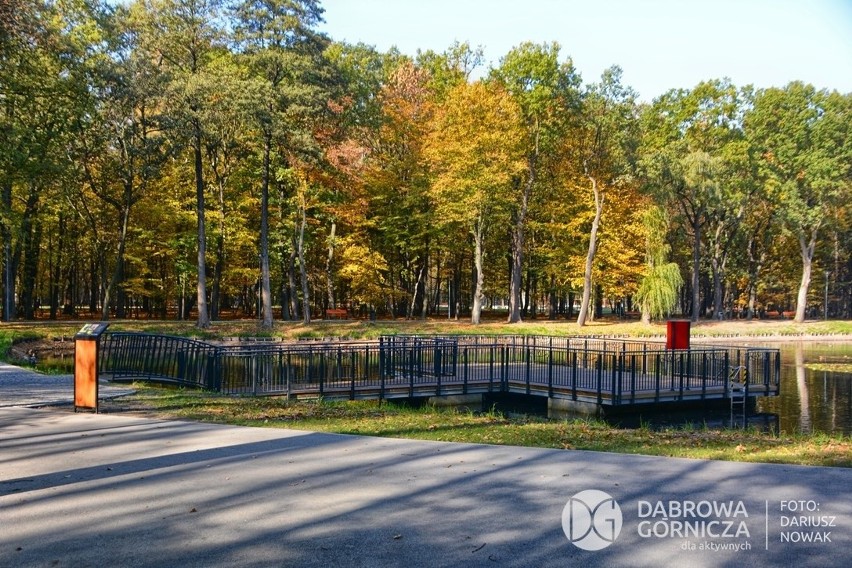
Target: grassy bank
[
  {"x": 359, "y": 329},
  {"x": 426, "y": 423}
]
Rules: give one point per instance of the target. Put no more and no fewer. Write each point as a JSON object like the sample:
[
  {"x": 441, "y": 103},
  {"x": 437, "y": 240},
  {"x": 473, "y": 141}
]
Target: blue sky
[{"x": 660, "y": 44}]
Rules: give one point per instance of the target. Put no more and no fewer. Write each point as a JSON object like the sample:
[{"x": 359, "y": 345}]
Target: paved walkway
[
  {"x": 83, "y": 489},
  {"x": 22, "y": 387}
]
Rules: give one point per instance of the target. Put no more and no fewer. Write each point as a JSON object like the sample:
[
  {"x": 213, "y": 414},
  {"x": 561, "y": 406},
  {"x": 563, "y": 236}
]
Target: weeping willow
[{"x": 658, "y": 292}]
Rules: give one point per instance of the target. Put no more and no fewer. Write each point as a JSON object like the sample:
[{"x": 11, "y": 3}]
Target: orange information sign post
[{"x": 86, "y": 344}]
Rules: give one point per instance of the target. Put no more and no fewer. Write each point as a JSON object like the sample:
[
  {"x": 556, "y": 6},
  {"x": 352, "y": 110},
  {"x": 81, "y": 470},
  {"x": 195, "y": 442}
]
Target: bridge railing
[
  {"x": 162, "y": 358},
  {"x": 606, "y": 371}
]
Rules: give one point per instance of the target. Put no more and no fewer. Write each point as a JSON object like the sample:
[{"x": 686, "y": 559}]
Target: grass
[
  {"x": 373, "y": 418},
  {"x": 358, "y": 329}
]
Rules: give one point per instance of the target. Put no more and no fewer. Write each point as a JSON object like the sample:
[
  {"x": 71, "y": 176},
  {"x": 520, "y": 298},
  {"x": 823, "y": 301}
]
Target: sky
[{"x": 659, "y": 44}]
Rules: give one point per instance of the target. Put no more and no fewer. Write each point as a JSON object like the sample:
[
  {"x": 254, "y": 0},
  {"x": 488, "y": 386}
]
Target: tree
[
  {"x": 659, "y": 289},
  {"x": 284, "y": 55},
  {"x": 122, "y": 146},
  {"x": 476, "y": 151},
  {"x": 803, "y": 139},
  {"x": 685, "y": 136},
  {"x": 397, "y": 180},
  {"x": 545, "y": 91},
  {"x": 44, "y": 75},
  {"x": 185, "y": 36},
  {"x": 605, "y": 143}
]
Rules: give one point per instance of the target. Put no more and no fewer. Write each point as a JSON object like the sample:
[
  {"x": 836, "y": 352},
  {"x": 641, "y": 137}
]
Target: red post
[{"x": 677, "y": 334}]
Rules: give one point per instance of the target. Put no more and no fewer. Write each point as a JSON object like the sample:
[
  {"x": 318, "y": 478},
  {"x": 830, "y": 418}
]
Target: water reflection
[
  {"x": 802, "y": 389},
  {"x": 813, "y": 399}
]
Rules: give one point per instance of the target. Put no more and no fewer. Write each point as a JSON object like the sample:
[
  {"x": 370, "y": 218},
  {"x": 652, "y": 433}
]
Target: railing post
[
  {"x": 633, "y": 377},
  {"x": 491, "y": 368},
  {"x": 504, "y": 368},
  {"x": 465, "y": 373},
  {"x": 250, "y": 364},
  {"x": 617, "y": 361},
  {"x": 658, "y": 376},
  {"x": 600, "y": 377},
  {"x": 550, "y": 369},
  {"x": 353, "y": 366},
  {"x": 574, "y": 371},
  {"x": 321, "y": 375}
]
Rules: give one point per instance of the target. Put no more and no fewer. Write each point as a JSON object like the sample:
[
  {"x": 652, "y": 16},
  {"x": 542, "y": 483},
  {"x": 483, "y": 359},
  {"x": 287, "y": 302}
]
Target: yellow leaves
[
  {"x": 364, "y": 268},
  {"x": 474, "y": 149}
]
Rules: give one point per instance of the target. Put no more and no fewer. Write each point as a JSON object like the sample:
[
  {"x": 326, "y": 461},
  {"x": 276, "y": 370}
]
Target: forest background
[{"x": 216, "y": 159}]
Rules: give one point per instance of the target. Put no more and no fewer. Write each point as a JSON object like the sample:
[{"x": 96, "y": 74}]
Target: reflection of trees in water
[
  {"x": 812, "y": 400},
  {"x": 802, "y": 389}
]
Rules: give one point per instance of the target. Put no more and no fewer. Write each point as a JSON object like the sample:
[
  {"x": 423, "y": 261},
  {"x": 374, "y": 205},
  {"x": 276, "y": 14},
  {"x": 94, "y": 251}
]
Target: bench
[{"x": 336, "y": 313}]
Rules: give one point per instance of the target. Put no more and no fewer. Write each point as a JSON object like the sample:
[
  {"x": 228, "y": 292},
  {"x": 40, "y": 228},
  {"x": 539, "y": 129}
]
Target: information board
[{"x": 86, "y": 347}]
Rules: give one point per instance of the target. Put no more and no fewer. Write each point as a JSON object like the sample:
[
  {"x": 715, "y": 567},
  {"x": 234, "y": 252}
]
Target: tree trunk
[
  {"x": 291, "y": 282},
  {"x": 696, "y": 267},
  {"x": 329, "y": 263},
  {"x": 478, "y": 277},
  {"x": 24, "y": 246},
  {"x": 32, "y": 247},
  {"x": 265, "y": 288},
  {"x": 55, "y": 269},
  {"x": 203, "y": 315},
  {"x": 590, "y": 255},
  {"x": 551, "y": 298},
  {"x": 303, "y": 271},
  {"x": 219, "y": 266},
  {"x": 518, "y": 235},
  {"x": 807, "y": 249},
  {"x": 118, "y": 272},
  {"x": 416, "y": 292},
  {"x": 9, "y": 268}
]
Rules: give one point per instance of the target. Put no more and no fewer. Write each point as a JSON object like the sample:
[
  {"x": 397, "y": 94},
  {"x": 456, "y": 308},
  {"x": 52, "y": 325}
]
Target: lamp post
[{"x": 825, "y": 306}]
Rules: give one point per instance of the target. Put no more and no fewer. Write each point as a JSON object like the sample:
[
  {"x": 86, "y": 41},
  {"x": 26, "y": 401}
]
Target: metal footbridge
[{"x": 603, "y": 371}]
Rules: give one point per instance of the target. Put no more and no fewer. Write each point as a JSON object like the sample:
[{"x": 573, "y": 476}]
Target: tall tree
[
  {"x": 685, "y": 135},
  {"x": 284, "y": 53},
  {"x": 397, "y": 179},
  {"x": 605, "y": 144},
  {"x": 546, "y": 92},
  {"x": 476, "y": 150},
  {"x": 122, "y": 146},
  {"x": 185, "y": 35},
  {"x": 803, "y": 138},
  {"x": 44, "y": 58}
]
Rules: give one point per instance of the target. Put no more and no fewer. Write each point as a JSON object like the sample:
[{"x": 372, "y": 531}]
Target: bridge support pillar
[
  {"x": 471, "y": 402},
  {"x": 565, "y": 408}
]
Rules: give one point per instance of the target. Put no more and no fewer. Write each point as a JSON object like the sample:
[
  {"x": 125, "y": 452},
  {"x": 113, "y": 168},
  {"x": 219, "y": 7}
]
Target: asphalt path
[{"x": 100, "y": 490}]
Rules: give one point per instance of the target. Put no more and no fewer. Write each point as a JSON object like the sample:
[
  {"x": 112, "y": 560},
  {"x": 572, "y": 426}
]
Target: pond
[{"x": 816, "y": 388}]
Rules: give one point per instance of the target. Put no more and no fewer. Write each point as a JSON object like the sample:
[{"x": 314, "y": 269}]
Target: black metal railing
[{"x": 605, "y": 371}]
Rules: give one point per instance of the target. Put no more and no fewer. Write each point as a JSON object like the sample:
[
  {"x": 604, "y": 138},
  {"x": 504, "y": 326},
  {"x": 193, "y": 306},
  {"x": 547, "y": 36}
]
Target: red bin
[{"x": 677, "y": 334}]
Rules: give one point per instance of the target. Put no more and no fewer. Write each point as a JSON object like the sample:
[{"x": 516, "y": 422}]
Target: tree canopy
[{"x": 325, "y": 175}]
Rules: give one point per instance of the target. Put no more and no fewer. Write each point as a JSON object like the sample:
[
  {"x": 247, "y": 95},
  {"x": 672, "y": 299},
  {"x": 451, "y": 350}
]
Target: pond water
[{"x": 816, "y": 388}]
